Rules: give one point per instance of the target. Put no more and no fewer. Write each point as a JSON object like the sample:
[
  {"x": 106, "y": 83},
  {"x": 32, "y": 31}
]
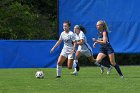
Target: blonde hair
[{"x": 105, "y": 27}]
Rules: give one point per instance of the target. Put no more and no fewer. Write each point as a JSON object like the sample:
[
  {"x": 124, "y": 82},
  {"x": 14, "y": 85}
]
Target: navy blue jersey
[{"x": 105, "y": 48}]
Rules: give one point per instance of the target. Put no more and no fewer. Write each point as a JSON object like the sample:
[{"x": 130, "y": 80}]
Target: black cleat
[
  {"x": 77, "y": 67},
  {"x": 58, "y": 76}
]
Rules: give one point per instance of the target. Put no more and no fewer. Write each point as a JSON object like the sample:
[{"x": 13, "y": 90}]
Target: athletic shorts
[
  {"x": 67, "y": 55},
  {"x": 87, "y": 53},
  {"x": 106, "y": 49}
]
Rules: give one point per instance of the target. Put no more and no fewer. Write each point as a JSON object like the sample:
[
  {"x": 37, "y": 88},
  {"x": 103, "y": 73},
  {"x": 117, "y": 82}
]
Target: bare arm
[
  {"x": 80, "y": 42},
  {"x": 74, "y": 46},
  {"x": 57, "y": 43},
  {"x": 102, "y": 41}
]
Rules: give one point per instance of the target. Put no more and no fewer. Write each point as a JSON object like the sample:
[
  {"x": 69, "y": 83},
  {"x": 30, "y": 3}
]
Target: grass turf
[{"x": 89, "y": 80}]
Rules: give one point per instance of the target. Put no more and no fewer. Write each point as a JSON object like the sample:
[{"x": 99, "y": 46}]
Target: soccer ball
[{"x": 39, "y": 74}]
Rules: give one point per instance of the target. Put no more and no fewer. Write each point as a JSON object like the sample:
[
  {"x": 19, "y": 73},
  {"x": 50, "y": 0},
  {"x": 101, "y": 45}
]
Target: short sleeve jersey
[{"x": 68, "y": 39}]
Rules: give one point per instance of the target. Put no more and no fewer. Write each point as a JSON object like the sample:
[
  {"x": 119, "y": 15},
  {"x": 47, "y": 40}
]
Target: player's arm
[
  {"x": 82, "y": 36},
  {"x": 74, "y": 47},
  {"x": 104, "y": 39},
  {"x": 57, "y": 44},
  {"x": 80, "y": 42}
]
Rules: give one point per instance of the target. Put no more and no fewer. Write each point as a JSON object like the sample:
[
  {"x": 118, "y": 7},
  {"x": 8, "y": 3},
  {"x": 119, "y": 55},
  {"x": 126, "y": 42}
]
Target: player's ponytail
[
  {"x": 82, "y": 28},
  {"x": 106, "y": 26}
]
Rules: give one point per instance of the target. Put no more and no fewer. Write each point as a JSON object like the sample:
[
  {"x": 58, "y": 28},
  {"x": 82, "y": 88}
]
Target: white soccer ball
[{"x": 39, "y": 74}]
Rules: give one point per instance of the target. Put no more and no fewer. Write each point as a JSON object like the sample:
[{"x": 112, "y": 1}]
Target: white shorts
[
  {"x": 87, "y": 53},
  {"x": 67, "y": 55}
]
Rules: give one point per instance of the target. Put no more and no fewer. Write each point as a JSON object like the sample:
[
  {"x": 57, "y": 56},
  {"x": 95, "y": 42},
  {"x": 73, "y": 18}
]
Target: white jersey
[
  {"x": 85, "y": 46},
  {"x": 68, "y": 38}
]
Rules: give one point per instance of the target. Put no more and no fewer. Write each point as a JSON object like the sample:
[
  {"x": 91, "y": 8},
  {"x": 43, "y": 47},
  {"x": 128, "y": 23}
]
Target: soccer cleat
[
  {"x": 58, "y": 76},
  {"x": 102, "y": 69},
  {"x": 77, "y": 67},
  {"x": 122, "y": 76},
  {"x": 109, "y": 70},
  {"x": 74, "y": 73}
]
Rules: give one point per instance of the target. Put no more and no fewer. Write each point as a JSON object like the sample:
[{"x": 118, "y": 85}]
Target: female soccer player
[
  {"x": 105, "y": 48},
  {"x": 83, "y": 48},
  {"x": 68, "y": 49}
]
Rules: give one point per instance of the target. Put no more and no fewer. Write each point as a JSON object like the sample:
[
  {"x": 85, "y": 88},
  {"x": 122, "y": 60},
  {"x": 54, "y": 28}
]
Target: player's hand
[
  {"x": 52, "y": 50},
  {"x": 72, "y": 52},
  {"x": 94, "y": 45},
  {"x": 94, "y": 39}
]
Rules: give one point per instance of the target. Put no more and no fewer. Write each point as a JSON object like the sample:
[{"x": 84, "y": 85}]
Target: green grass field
[{"x": 89, "y": 80}]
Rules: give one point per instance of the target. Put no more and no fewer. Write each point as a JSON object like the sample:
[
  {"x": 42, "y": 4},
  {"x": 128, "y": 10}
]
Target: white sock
[
  {"x": 74, "y": 63},
  {"x": 75, "y": 70},
  {"x": 59, "y": 70}
]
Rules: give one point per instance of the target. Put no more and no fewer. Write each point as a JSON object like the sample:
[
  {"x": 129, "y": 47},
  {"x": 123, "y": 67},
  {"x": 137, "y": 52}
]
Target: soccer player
[
  {"x": 83, "y": 49},
  {"x": 105, "y": 48},
  {"x": 68, "y": 49}
]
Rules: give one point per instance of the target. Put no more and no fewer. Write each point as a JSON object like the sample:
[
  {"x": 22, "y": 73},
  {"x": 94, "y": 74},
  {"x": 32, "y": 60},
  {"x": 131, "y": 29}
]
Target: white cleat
[
  {"x": 102, "y": 69},
  {"x": 109, "y": 70},
  {"x": 74, "y": 73},
  {"x": 122, "y": 76}
]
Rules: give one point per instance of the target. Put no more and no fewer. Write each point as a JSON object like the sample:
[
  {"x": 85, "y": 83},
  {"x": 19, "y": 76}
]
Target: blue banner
[
  {"x": 121, "y": 16},
  {"x": 28, "y": 54}
]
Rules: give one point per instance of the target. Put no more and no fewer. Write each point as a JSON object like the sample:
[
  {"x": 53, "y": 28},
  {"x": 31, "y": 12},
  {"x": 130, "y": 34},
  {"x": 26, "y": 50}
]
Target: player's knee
[
  {"x": 59, "y": 63},
  {"x": 91, "y": 59},
  {"x": 113, "y": 63}
]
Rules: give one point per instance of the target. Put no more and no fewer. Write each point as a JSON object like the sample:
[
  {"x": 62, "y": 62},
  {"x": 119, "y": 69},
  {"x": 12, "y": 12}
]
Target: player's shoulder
[
  {"x": 63, "y": 33},
  {"x": 70, "y": 32},
  {"x": 81, "y": 33}
]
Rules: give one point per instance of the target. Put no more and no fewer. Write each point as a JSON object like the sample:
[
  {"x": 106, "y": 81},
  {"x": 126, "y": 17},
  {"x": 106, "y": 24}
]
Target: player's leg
[
  {"x": 70, "y": 61},
  {"x": 112, "y": 61},
  {"x": 61, "y": 60},
  {"x": 75, "y": 63},
  {"x": 99, "y": 58},
  {"x": 106, "y": 63}
]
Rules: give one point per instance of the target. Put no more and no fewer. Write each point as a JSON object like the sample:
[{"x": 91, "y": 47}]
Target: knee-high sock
[
  {"x": 59, "y": 70},
  {"x": 118, "y": 70},
  {"x": 74, "y": 65}
]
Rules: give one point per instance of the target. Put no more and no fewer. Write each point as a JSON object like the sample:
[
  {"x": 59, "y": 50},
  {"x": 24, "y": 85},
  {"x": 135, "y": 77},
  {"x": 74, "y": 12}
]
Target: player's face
[
  {"x": 76, "y": 30},
  {"x": 66, "y": 27},
  {"x": 99, "y": 25}
]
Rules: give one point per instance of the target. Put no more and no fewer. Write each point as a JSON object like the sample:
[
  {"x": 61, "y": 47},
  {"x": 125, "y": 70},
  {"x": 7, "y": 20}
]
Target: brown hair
[{"x": 68, "y": 22}]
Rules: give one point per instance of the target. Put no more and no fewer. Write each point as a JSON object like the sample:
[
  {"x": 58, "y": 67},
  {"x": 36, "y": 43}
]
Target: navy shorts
[{"x": 106, "y": 49}]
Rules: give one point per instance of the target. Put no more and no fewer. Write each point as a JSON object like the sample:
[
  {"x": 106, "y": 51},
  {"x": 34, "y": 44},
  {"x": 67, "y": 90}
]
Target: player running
[
  {"x": 83, "y": 49},
  {"x": 68, "y": 38},
  {"x": 105, "y": 48}
]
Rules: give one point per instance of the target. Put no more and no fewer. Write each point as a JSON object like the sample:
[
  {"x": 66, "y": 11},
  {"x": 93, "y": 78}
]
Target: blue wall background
[
  {"x": 28, "y": 54},
  {"x": 121, "y": 16}
]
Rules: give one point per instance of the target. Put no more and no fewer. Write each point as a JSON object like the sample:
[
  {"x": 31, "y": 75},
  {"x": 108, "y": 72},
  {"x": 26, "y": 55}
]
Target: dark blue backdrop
[{"x": 122, "y": 17}]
